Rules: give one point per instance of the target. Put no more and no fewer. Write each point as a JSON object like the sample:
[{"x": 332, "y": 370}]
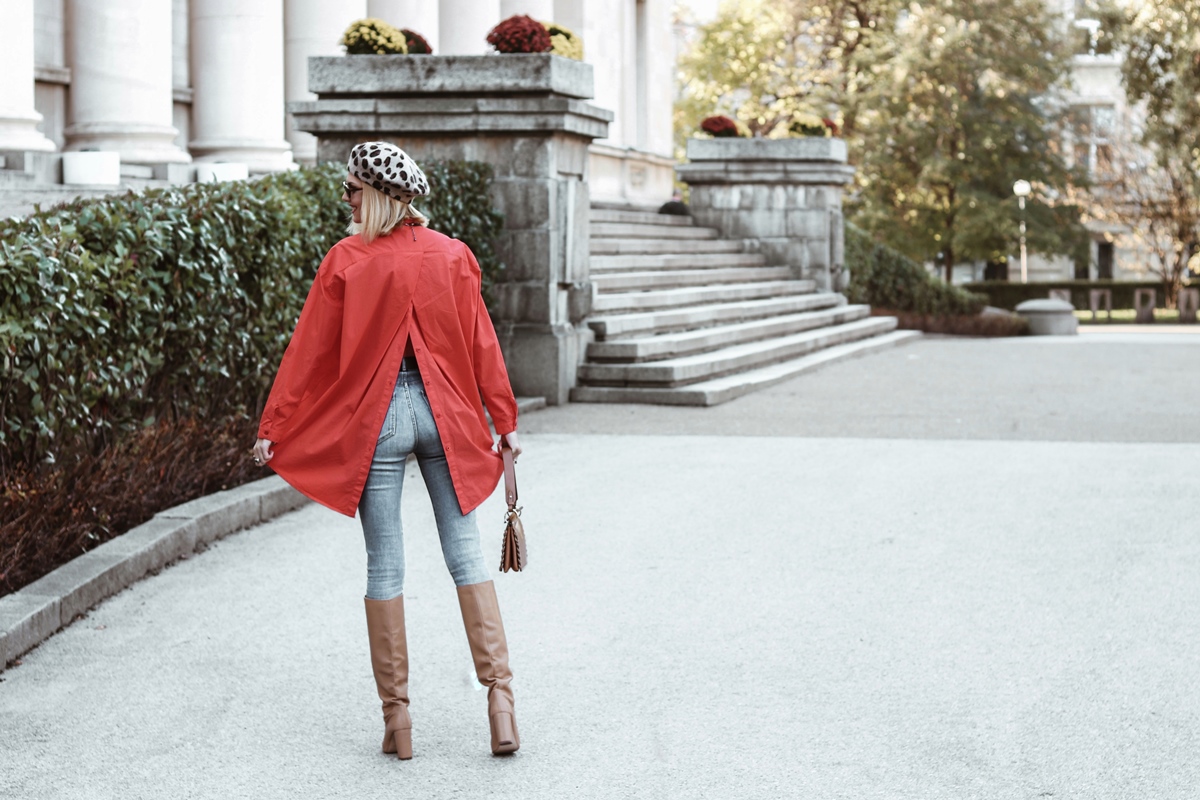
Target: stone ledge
[
  {"x": 822, "y": 173},
  {"x": 805, "y": 148},
  {"x": 489, "y": 74},
  {"x": 36, "y": 612}
]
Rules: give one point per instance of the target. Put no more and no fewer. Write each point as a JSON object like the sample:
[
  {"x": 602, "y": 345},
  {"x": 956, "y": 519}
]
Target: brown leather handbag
[{"x": 513, "y": 555}]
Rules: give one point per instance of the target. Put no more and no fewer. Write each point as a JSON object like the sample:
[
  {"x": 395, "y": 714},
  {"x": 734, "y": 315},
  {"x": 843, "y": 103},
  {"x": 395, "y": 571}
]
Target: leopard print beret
[{"x": 388, "y": 169}]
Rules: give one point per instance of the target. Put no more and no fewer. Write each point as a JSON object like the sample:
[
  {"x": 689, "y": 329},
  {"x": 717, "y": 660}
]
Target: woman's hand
[
  {"x": 263, "y": 452},
  {"x": 511, "y": 440}
]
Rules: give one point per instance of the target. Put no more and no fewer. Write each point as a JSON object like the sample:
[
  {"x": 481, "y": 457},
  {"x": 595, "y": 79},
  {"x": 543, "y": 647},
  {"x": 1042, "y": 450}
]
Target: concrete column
[
  {"x": 119, "y": 52},
  {"x": 463, "y": 26},
  {"x": 541, "y": 10},
  {"x": 237, "y": 77},
  {"x": 570, "y": 13},
  {"x": 18, "y": 118},
  {"x": 416, "y": 15},
  {"x": 312, "y": 28}
]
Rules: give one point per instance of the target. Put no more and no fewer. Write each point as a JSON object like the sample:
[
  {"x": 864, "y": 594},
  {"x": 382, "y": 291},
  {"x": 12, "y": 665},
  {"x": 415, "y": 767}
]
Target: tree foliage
[
  {"x": 958, "y": 111},
  {"x": 1162, "y": 70},
  {"x": 943, "y": 105}
]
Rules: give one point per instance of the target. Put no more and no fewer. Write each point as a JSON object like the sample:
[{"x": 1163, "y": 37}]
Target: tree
[
  {"x": 1162, "y": 70},
  {"x": 772, "y": 63},
  {"x": 960, "y": 109}
]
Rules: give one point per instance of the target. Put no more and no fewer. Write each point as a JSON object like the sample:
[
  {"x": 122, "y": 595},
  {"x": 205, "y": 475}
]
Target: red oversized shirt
[{"x": 335, "y": 382}]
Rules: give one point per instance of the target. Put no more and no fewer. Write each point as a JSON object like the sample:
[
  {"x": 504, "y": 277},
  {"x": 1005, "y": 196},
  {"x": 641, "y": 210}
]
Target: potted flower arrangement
[
  {"x": 417, "y": 44},
  {"x": 720, "y": 127},
  {"x": 523, "y": 34},
  {"x": 373, "y": 37},
  {"x": 520, "y": 34},
  {"x": 812, "y": 125},
  {"x": 564, "y": 42}
]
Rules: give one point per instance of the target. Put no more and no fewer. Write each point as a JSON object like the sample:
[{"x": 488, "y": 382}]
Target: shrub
[
  {"x": 812, "y": 125},
  {"x": 50, "y": 514},
  {"x": 416, "y": 43},
  {"x": 1005, "y": 294},
  {"x": 175, "y": 302},
  {"x": 564, "y": 42},
  {"x": 884, "y": 277},
  {"x": 371, "y": 36},
  {"x": 139, "y": 335},
  {"x": 520, "y": 34},
  {"x": 720, "y": 127}
]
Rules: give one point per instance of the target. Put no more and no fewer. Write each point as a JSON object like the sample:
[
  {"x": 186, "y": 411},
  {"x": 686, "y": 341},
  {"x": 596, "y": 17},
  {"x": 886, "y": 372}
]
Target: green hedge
[
  {"x": 179, "y": 301},
  {"x": 888, "y": 279},
  {"x": 1004, "y": 294}
]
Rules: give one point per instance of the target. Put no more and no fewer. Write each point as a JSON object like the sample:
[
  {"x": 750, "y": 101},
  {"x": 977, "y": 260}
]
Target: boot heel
[
  {"x": 504, "y": 734},
  {"x": 403, "y": 741}
]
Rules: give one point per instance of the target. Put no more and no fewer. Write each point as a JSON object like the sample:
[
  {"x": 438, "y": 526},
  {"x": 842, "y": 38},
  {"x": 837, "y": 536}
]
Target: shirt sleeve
[
  {"x": 491, "y": 376},
  {"x": 310, "y": 362}
]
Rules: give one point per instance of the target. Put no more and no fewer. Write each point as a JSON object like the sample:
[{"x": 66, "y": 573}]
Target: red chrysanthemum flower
[
  {"x": 720, "y": 127},
  {"x": 417, "y": 44},
  {"x": 520, "y": 34}
]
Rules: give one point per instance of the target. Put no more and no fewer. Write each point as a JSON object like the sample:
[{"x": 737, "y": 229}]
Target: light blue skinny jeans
[{"x": 410, "y": 428}]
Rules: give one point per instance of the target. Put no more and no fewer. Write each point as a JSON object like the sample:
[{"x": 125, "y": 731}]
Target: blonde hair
[{"x": 381, "y": 214}]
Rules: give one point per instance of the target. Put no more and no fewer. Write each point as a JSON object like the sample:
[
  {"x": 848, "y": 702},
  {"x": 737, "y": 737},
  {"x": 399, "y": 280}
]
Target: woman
[{"x": 391, "y": 355}]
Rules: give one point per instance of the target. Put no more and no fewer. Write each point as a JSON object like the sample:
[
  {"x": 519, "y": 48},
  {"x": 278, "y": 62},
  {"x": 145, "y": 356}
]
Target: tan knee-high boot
[
  {"x": 489, "y": 648},
  {"x": 389, "y": 661}
]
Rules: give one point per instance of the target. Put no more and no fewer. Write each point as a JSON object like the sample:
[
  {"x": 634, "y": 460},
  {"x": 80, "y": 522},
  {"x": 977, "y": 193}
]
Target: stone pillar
[
  {"x": 526, "y": 116},
  {"x": 541, "y": 10},
  {"x": 312, "y": 28},
  {"x": 784, "y": 193},
  {"x": 237, "y": 78},
  {"x": 416, "y": 15},
  {"x": 119, "y": 52},
  {"x": 463, "y": 26},
  {"x": 18, "y": 118}
]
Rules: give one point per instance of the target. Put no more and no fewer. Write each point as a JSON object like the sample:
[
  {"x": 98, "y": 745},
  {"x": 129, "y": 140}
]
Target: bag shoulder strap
[{"x": 510, "y": 476}]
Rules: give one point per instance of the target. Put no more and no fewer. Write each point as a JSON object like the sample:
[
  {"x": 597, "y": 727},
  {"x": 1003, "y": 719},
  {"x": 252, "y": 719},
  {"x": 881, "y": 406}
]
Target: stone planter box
[
  {"x": 527, "y": 116},
  {"x": 784, "y": 193},
  {"x": 422, "y": 76},
  {"x": 802, "y": 149}
]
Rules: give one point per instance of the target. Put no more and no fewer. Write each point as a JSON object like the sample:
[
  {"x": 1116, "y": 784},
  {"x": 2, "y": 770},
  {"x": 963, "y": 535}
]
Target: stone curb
[
  {"x": 30, "y": 616},
  {"x": 35, "y": 613}
]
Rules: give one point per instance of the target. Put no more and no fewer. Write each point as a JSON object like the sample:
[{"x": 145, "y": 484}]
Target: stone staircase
[{"x": 682, "y": 317}]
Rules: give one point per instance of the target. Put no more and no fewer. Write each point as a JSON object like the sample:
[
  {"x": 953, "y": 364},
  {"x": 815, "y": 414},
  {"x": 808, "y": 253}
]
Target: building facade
[{"x": 195, "y": 81}]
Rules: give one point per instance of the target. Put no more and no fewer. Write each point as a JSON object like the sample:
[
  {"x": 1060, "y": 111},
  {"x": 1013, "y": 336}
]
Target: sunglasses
[{"x": 350, "y": 189}]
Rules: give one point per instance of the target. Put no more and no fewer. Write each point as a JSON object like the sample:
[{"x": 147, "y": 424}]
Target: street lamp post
[{"x": 1021, "y": 189}]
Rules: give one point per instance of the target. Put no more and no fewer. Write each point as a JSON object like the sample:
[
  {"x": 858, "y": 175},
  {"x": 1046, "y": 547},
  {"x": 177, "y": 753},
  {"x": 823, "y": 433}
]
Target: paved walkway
[{"x": 958, "y": 569}]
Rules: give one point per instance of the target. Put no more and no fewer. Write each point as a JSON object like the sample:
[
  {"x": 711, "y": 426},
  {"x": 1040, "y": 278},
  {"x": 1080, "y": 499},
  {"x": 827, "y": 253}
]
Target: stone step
[
  {"x": 638, "y": 217},
  {"x": 606, "y": 246},
  {"x": 615, "y": 326},
  {"x": 671, "y": 345},
  {"x": 628, "y": 230},
  {"x": 695, "y": 295},
  {"x": 663, "y": 279},
  {"x": 639, "y": 263},
  {"x": 723, "y": 389},
  {"x": 698, "y": 367}
]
